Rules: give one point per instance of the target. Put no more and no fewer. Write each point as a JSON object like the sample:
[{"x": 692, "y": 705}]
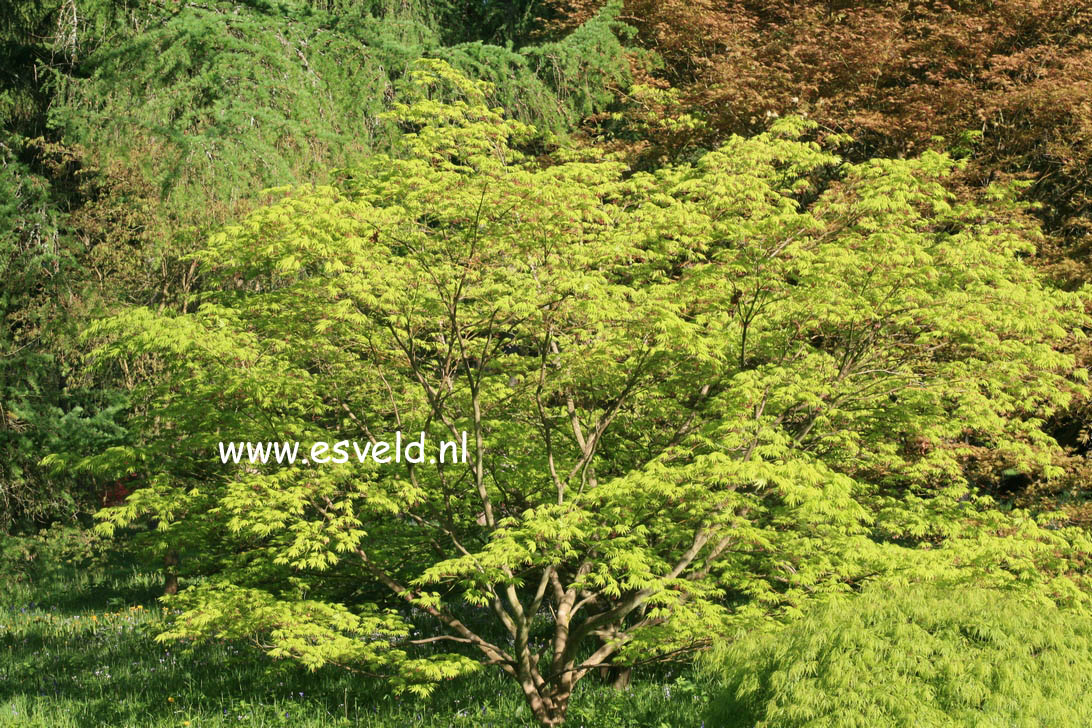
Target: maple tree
[
  {"x": 1005, "y": 86},
  {"x": 694, "y": 399}
]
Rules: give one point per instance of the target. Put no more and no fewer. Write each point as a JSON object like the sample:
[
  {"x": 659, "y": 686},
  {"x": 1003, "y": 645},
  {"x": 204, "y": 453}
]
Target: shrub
[{"x": 914, "y": 657}]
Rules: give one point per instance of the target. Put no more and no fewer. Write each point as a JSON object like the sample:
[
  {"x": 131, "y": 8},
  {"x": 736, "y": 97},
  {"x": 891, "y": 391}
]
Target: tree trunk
[
  {"x": 170, "y": 572},
  {"x": 618, "y": 677},
  {"x": 548, "y": 704}
]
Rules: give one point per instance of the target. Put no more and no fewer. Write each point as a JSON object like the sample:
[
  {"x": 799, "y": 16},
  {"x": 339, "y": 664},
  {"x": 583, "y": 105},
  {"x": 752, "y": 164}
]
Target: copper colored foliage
[{"x": 895, "y": 75}]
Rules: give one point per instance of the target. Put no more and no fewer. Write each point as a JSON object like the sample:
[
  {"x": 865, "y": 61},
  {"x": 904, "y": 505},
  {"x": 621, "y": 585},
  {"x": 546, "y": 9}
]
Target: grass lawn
[{"x": 77, "y": 650}]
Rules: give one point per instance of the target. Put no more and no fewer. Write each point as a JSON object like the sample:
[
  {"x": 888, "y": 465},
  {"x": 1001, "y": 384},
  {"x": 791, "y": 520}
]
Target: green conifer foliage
[
  {"x": 554, "y": 85},
  {"x": 44, "y": 403},
  {"x": 30, "y": 246},
  {"x": 214, "y": 102}
]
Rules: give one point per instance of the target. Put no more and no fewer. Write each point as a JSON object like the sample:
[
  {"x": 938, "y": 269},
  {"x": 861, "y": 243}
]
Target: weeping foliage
[
  {"x": 554, "y": 85},
  {"x": 913, "y": 657},
  {"x": 215, "y": 101},
  {"x": 39, "y": 38}
]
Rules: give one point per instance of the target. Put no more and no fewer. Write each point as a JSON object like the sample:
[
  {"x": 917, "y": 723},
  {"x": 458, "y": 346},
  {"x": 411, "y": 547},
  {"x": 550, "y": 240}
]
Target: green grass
[{"x": 77, "y": 650}]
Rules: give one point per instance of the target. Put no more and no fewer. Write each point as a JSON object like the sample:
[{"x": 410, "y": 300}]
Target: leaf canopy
[{"x": 692, "y": 397}]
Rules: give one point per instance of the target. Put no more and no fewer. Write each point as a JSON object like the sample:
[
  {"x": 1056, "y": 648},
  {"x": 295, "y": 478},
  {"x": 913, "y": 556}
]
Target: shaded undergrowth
[{"x": 77, "y": 650}]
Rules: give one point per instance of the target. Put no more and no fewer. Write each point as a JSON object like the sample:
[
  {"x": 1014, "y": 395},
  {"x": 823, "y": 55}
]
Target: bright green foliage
[
  {"x": 692, "y": 398},
  {"x": 130, "y": 130},
  {"x": 921, "y": 657}
]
